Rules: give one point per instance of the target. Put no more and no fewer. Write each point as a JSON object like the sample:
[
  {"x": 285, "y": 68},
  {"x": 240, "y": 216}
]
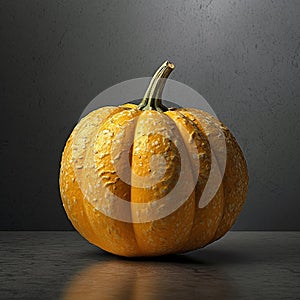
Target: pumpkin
[{"x": 132, "y": 177}]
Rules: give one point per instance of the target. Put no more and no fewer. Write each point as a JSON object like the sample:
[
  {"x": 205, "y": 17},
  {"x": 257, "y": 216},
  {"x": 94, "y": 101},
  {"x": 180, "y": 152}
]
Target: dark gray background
[{"x": 56, "y": 56}]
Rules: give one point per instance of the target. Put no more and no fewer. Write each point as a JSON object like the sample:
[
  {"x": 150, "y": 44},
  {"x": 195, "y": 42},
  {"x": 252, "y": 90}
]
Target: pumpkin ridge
[
  {"x": 115, "y": 132},
  {"x": 206, "y": 219},
  {"x": 150, "y": 126},
  {"x": 65, "y": 180},
  {"x": 213, "y": 151},
  {"x": 235, "y": 172},
  {"x": 87, "y": 119},
  {"x": 218, "y": 198},
  {"x": 64, "y": 184}
]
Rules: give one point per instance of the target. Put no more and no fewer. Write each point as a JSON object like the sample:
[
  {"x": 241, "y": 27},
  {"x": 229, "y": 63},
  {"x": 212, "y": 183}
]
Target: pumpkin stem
[{"x": 153, "y": 95}]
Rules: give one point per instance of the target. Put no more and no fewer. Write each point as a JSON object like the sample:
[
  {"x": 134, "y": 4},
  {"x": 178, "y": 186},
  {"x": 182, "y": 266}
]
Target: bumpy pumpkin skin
[{"x": 187, "y": 228}]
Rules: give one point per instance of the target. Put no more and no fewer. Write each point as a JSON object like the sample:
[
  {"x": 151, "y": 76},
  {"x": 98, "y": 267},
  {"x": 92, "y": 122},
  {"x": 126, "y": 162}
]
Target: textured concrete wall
[{"x": 242, "y": 56}]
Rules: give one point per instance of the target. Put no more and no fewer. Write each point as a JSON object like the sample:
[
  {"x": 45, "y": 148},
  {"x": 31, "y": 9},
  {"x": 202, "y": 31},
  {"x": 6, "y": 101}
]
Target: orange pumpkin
[{"x": 116, "y": 194}]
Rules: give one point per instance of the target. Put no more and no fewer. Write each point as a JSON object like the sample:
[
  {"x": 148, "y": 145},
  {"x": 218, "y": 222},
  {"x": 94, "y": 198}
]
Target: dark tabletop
[{"x": 62, "y": 265}]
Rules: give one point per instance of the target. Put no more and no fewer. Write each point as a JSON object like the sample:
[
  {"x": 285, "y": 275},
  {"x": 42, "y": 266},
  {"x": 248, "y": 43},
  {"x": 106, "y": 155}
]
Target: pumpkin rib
[
  {"x": 66, "y": 185},
  {"x": 206, "y": 219},
  {"x": 89, "y": 140},
  {"x": 91, "y": 121},
  {"x": 156, "y": 133},
  {"x": 238, "y": 185},
  {"x": 117, "y": 235},
  {"x": 219, "y": 194},
  {"x": 235, "y": 177}
]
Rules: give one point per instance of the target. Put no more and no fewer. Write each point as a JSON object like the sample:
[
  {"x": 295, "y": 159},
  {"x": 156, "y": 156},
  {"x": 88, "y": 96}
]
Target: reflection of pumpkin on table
[
  {"x": 88, "y": 177},
  {"x": 142, "y": 280}
]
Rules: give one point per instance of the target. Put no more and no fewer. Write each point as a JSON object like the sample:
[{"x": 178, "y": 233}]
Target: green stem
[{"x": 153, "y": 95}]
